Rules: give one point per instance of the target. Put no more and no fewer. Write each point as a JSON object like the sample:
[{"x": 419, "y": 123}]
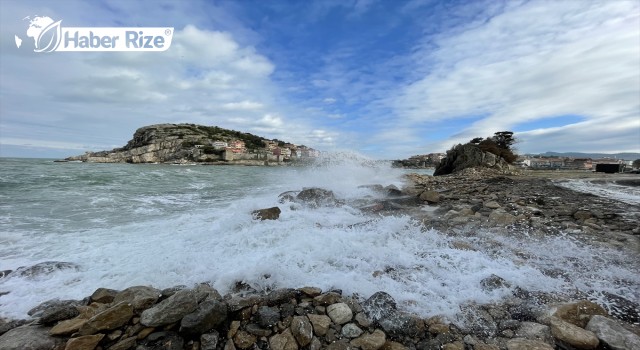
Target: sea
[{"x": 166, "y": 225}]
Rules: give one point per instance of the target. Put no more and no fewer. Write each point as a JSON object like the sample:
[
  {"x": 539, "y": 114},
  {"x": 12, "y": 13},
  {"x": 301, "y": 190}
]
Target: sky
[{"x": 384, "y": 78}]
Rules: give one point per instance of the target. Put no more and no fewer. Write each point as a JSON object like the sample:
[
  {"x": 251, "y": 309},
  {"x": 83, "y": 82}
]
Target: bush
[{"x": 499, "y": 144}]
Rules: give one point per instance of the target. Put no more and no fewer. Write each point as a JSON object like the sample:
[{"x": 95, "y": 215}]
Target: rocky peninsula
[
  {"x": 198, "y": 144},
  {"x": 475, "y": 206}
]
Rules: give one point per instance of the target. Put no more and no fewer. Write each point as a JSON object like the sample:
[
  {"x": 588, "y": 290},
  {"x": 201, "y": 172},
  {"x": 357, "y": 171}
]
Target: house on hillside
[
  {"x": 237, "y": 146},
  {"x": 219, "y": 144}
]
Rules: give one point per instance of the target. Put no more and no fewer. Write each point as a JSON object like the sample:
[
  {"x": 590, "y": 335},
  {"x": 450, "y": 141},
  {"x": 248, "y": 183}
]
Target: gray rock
[
  {"x": 208, "y": 315},
  {"x": 572, "y": 335},
  {"x": 206, "y": 292},
  {"x": 103, "y": 295},
  {"x": 140, "y": 297},
  {"x": 527, "y": 344},
  {"x": 255, "y": 329},
  {"x": 339, "y": 313},
  {"x": 402, "y": 323},
  {"x": 56, "y": 310},
  {"x": 320, "y": 324},
  {"x": 268, "y": 316},
  {"x": 468, "y": 156},
  {"x": 373, "y": 341},
  {"x": 379, "y": 305},
  {"x": 350, "y": 330},
  {"x": 164, "y": 341},
  {"x": 170, "y": 310},
  {"x": 612, "y": 334},
  {"x": 491, "y": 205},
  {"x": 316, "y": 197},
  {"x": 272, "y": 213},
  {"x": 535, "y": 331},
  {"x": 430, "y": 196},
  {"x": 302, "y": 330},
  {"x": 28, "y": 338},
  {"x": 44, "y": 268},
  {"x": 244, "y": 340},
  {"x": 327, "y": 298},
  {"x": 237, "y": 303},
  {"x": 209, "y": 341},
  {"x": 494, "y": 282},
  {"x": 283, "y": 341},
  {"x": 280, "y": 296}
]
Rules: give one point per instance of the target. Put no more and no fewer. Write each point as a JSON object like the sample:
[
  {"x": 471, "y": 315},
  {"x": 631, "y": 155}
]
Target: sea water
[{"x": 168, "y": 225}]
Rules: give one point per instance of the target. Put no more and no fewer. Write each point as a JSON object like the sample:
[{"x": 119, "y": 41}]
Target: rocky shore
[{"x": 467, "y": 204}]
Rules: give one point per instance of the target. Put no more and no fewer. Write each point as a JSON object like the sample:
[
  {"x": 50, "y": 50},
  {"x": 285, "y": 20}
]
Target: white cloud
[{"x": 535, "y": 61}]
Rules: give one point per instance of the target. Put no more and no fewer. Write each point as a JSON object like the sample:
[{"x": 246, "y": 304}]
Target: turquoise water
[{"x": 167, "y": 225}]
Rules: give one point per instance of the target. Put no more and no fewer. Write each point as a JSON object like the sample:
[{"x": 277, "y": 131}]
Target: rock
[
  {"x": 124, "y": 344},
  {"x": 535, "y": 331},
  {"x": 327, "y": 298},
  {"x": 44, "y": 268},
  {"x": 229, "y": 345},
  {"x": 379, "y": 305},
  {"x": 7, "y": 326},
  {"x": 582, "y": 215},
  {"x": 526, "y": 344},
  {"x": 320, "y": 324},
  {"x": 350, "y": 330},
  {"x": 268, "y": 316},
  {"x": 56, "y": 310},
  {"x": 302, "y": 330},
  {"x": 170, "y": 310},
  {"x": 310, "y": 291},
  {"x": 339, "y": 345},
  {"x": 339, "y": 313},
  {"x": 103, "y": 295},
  {"x": 204, "y": 292},
  {"x": 499, "y": 217},
  {"x": 164, "y": 341},
  {"x": 402, "y": 323},
  {"x": 468, "y": 156},
  {"x": 140, "y": 297},
  {"x": 579, "y": 313},
  {"x": 86, "y": 342},
  {"x": 491, "y": 205},
  {"x": 392, "y": 191},
  {"x": 283, "y": 341},
  {"x": 111, "y": 318},
  {"x": 612, "y": 334},
  {"x": 256, "y": 330},
  {"x": 494, "y": 282},
  {"x": 68, "y": 327},
  {"x": 208, "y": 315},
  {"x": 362, "y": 319},
  {"x": 373, "y": 341},
  {"x": 27, "y": 338},
  {"x": 272, "y": 213},
  {"x": 430, "y": 196},
  {"x": 315, "y": 344},
  {"x": 316, "y": 197},
  {"x": 572, "y": 335},
  {"x": 392, "y": 345},
  {"x": 244, "y": 340},
  {"x": 237, "y": 303},
  {"x": 457, "y": 345},
  {"x": 209, "y": 341},
  {"x": 280, "y": 296}
]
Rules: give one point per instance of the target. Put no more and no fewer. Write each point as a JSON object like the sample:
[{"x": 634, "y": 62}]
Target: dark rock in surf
[
  {"x": 317, "y": 197},
  {"x": 44, "y": 268},
  {"x": 267, "y": 214}
]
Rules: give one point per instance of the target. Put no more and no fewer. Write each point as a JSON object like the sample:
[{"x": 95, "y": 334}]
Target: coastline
[{"x": 466, "y": 203}]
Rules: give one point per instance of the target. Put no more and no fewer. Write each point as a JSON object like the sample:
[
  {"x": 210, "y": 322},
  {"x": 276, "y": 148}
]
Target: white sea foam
[
  {"x": 218, "y": 241},
  {"x": 607, "y": 189}
]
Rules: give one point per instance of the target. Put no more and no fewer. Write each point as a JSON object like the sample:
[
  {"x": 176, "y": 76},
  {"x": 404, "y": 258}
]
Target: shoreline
[{"x": 466, "y": 203}]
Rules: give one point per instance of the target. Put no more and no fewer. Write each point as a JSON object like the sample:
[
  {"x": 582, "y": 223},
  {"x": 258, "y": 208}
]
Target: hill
[
  {"x": 625, "y": 156},
  {"x": 187, "y": 143}
]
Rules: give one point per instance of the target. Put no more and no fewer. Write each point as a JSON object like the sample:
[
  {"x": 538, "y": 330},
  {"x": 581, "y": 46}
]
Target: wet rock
[
  {"x": 316, "y": 197},
  {"x": 205, "y": 292},
  {"x": 283, "y": 341},
  {"x": 379, "y": 305},
  {"x": 167, "y": 292},
  {"x": 579, "y": 313},
  {"x": 457, "y": 345},
  {"x": 68, "y": 327},
  {"x": 310, "y": 291},
  {"x": 124, "y": 344},
  {"x": 268, "y": 316},
  {"x": 140, "y": 297},
  {"x": 244, "y": 340},
  {"x": 28, "y": 338},
  {"x": 526, "y": 344},
  {"x": 373, "y": 341},
  {"x": 164, "y": 341},
  {"x": 401, "y": 323},
  {"x": 572, "y": 335},
  {"x": 53, "y": 311},
  {"x": 622, "y": 308},
  {"x": 256, "y": 330},
  {"x": 103, "y": 295},
  {"x": 208, "y": 315},
  {"x": 44, "y": 268},
  {"x": 535, "y": 331},
  {"x": 494, "y": 282},
  {"x": 5, "y": 273},
  {"x": 350, "y": 330},
  {"x": 340, "y": 313},
  {"x": 499, "y": 217},
  {"x": 491, "y": 205},
  {"x": 392, "y": 191},
  {"x": 327, "y": 298},
  {"x": 320, "y": 324},
  {"x": 430, "y": 196},
  {"x": 111, "y": 318},
  {"x": 302, "y": 330},
  {"x": 612, "y": 334},
  {"x": 392, "y": 345},
  {"x": 272, "y": 213},
  {"x": 237, "y": 303},
  {"x": 6, "y": 326},
  {"x": 86, "y": 342},
  {"x": 339, "y": 345},
  {"x": 170, "y": 310},
  {"x": 280, "y": 296},
  {"x": 582, "y": 215},
  {"x": 362, "y": 319},
  {"x": 209, "y": 341}
]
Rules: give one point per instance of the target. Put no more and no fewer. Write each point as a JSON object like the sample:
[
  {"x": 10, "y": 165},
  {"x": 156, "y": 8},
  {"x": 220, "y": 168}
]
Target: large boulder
[
  {"x": 469, "y": 156},
  {"x": 28, "y": 338}
]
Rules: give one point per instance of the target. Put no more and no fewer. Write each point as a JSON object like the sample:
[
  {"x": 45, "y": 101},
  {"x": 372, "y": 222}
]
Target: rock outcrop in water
[
  {"x": 469, "y": 156},
  {"x": 189, "y": 143}
]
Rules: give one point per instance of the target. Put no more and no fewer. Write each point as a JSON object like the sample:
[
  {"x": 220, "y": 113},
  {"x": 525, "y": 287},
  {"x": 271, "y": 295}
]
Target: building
[
  {"x": 270, "y": 145},
  {"x": 219, "y": 144},
  {"x": 237, "y": 146}
]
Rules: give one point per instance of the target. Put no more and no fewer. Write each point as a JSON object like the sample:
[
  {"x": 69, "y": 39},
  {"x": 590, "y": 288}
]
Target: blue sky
[{"x": 385, "y": 78}]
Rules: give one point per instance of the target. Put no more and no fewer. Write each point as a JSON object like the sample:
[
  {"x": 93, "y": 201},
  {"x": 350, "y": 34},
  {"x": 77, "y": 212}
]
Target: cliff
[
  {"x": 184, "y": 143},
  {"x": 469, "y": 156}
]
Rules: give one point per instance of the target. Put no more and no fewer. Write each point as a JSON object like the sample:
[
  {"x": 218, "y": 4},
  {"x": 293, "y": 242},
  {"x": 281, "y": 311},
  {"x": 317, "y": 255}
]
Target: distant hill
[{"x": 625, "y": 156}]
